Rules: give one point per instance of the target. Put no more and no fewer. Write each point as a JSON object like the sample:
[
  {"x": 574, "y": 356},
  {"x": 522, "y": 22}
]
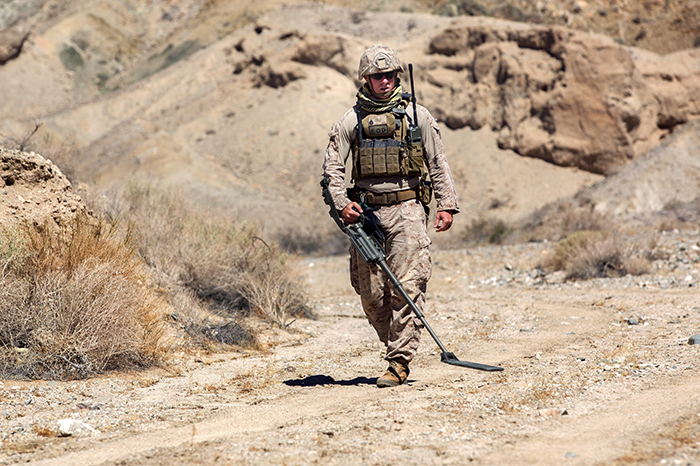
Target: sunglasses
[{"x": 379, "y": 76}]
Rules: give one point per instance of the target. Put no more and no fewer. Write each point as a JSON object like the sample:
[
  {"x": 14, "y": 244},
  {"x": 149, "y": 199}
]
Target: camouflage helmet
[{"x": 378, "y": 59}]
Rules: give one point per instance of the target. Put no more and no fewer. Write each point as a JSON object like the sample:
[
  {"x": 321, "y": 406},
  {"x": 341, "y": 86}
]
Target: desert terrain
[
  {"x": 553, "y": 113},
  {"x": 595, "y": 372}
]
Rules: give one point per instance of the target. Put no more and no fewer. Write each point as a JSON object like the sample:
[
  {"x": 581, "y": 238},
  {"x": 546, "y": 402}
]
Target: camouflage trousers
[{"x": 408, "y": 258}]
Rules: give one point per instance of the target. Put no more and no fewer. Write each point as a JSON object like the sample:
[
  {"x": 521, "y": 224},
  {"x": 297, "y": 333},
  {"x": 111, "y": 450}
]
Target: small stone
[
  {"x": 553, "y": 412},
  {"x": 570, "y": 454},
  {"x": 69, "y": 427},
  {"x": 694, "y": 340},
  {"x": 632, "y": 321}
]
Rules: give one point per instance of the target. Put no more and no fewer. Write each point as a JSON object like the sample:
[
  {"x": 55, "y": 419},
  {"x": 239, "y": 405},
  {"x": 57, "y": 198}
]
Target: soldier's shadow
[{"x": 318, "y": 380}]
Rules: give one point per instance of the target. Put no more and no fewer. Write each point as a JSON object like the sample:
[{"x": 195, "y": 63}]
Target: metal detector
[{"x": 373, "y": 253}]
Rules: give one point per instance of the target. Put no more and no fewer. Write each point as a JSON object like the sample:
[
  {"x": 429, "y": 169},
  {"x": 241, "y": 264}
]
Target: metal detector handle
[{"x": 366, "y": 245}]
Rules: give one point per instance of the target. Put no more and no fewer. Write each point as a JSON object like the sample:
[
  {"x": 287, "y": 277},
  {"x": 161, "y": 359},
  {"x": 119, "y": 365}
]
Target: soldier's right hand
[{"x": 351, "y": 213}]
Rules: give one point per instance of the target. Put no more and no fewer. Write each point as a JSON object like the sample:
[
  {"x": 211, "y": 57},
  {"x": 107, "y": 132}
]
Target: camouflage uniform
[{"x": 405, "y": 227}]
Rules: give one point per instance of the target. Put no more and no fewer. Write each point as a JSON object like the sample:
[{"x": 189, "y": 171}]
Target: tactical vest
[{"x": 382, "y": 146}]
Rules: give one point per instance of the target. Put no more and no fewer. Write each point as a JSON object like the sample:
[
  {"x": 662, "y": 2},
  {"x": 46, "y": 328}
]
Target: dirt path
[{"x": 581, "y": 385}]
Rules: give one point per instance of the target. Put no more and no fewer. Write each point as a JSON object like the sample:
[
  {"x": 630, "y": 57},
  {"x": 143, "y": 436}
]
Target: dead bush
[
  {"x": 203, "y": 329},
  {"x": 636, "y": 265},
  {"x": 75, "y": 302},
  {"x": 486, "y": 230},
  {"x": 225, "y": 263},
  {"x": 314, "y": 243},
  {"x": 559, "y": 220},
  {"x": 589, "y": 254}
]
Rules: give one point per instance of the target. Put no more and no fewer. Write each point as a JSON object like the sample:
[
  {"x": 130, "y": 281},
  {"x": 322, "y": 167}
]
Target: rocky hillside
[
  {"x": 661, "y": 26},
  {"x": 230, "y": 102}
]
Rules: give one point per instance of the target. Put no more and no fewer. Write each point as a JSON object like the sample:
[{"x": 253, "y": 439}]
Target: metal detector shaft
[
  {"x": 399, "y": 287},
  {"x": 446, "y": 356}
]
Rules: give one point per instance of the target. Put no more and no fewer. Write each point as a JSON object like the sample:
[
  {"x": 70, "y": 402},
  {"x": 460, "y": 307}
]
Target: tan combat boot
[{"x": 395, "y": 375}]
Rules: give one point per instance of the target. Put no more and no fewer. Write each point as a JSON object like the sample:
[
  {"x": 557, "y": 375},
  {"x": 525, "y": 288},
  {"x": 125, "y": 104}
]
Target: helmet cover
[{"x": 378, "y": 59}]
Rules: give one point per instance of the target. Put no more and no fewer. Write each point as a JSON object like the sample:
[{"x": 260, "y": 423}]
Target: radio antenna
[{"x": 413, "y": 95}]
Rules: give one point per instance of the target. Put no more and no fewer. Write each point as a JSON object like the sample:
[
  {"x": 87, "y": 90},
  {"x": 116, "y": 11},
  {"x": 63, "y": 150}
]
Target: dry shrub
[
  {"x": 226, "y": 264},
  {"x": 315, "y": 242},
  {"x": 559, "y": 220},
  {"x": 636, "y": 265},
  {"x": 589, "y": 254},
  {"x": 553, "y": 222},
  {"x": 75, "y": 302},
  {"x": 271, "y": 289},
  {"x": 579, "y": 218},
  {"x": 487, "y": 230},
  {"x": 206, "y": 330},
  {"x": 43, "y": 431}
]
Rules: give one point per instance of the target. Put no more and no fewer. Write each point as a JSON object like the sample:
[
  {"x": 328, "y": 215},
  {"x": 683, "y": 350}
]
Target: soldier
[{"x": 390, "y": 180}]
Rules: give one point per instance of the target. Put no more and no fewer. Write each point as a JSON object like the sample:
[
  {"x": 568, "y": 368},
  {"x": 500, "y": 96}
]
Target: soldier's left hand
[{"x": 443, "y": 221}]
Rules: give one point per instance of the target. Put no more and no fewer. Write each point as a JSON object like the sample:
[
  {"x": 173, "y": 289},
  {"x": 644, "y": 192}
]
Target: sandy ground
[{"x": 596, "y": 372}]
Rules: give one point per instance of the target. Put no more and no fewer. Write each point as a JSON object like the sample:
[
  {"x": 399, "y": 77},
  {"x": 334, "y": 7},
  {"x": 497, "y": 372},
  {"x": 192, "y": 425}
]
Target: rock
[
  {"x": 632, "y": 321},
  {"x": 28, "y": 175},
  {"x": 279, "y": 74},
  {"x": 553, "y": 412},
  {"x": 579, "y": 6},
  {"x": 73, "y": 427},
  {"x": 11, "y": 41},
  {"x": 331, "y": 50},
  {"x": 694, "y": 340}
]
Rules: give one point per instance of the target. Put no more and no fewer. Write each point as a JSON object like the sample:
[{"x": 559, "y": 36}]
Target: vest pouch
[
  {"x": 393, "y": 164},
  {"x": 414, "y": 162},
  {"x": 379, "y": 155},
  {"x": 379, "y": 126},
  {"x": 425, "y": 191},
  {"x": 365, "y": 163}
]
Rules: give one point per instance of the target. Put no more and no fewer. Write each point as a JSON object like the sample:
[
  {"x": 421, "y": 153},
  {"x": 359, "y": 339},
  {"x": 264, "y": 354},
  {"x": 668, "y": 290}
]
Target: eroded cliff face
[{"x": 570, "y": 98}]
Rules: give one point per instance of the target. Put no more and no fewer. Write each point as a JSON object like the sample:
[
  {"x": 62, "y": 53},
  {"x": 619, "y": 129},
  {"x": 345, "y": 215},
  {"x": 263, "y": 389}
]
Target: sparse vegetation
[
  {"x": 489, "y": 231},
  {"x": 314, "y": 243},
  {"x": 75, "y": 302},
  {"x": 226, "y": 266},
  {"x": 589, "y": 254},
  {"x": 559, "y": 220},
  {"x": 587, "y": 245},
  {"x": 40, "y": 139}
]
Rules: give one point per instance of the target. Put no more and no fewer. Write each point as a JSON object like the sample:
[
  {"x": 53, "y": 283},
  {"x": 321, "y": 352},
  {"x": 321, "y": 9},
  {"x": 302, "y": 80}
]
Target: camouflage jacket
[{"x": 344, "y": 132}]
